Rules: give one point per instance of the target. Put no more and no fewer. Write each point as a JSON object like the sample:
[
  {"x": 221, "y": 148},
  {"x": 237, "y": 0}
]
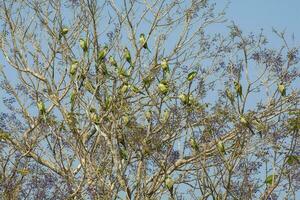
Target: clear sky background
[{"x": 251, "y": 15}]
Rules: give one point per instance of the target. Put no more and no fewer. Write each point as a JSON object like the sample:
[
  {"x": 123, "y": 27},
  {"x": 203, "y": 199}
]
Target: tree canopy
[{"x": 137, "y": 99}]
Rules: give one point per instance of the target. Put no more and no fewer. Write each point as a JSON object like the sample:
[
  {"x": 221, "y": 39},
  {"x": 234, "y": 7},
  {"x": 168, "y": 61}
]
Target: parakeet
[
  {"x": 238, "y": 88},
  {"x": 93, "y": 115},
  {"x": 73, "y": 68},
  {"x": 127, "y": 55},
  {"x": 89, "y": 86},
  {"x": 103, "y": 52},
  {"x": 124, "y": 88},
  {"x": 148, "y": 115},
  {"x": 122, "y": 73},
  {"x": 243, "y": 120},
  {"x": 83, "y": 44},
  {"x": 144, "y": 42},
  {"x": 63, "y": 32},
  {"x": 169, "y": 184},
  {"x": 147, "y": 81},
  {"x": 282, "y": 89},
  {"x": 221, "y": 147},
  {"x": 112, "y": 61},
  {"x": 41, "y": 107},
  {"x": 229, "y": 95},
  {"x": 73, "y": 98},
  {"x": 194, "y": 144},
  {"x": 247, "y": 123},
  {"x": 165, "y": 65},
  {"x": 163, "y": 88},
  {"x": 183, "y": 98},
  {"x": 191, "y": 76},
  {"x": 123, "y": 154}
]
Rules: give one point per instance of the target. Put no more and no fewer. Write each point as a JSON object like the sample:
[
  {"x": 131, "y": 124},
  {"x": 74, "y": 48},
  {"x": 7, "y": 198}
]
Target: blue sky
[{"x": 251, "y": 15}]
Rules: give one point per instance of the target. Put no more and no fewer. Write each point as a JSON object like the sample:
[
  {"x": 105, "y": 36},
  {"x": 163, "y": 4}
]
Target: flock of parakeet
[{"x": 163, "y": 88}]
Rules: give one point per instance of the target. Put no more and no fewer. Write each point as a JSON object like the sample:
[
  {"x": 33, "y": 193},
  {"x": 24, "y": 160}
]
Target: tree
[{"x": 95, "y": 111}]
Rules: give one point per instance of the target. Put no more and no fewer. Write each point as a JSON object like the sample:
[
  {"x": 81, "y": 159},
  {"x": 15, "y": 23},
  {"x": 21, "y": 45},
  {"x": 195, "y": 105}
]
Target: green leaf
[{"x": 191, "y": 76}]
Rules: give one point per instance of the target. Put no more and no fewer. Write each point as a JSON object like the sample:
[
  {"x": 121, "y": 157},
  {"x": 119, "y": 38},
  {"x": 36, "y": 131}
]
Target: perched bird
[
  {"x": 238, "y": 88},
  {"x": 144, "y": 42},
  {"x": 102, "y": 53},
  {"x": 169, "y": 184},
  {"x": 147, "y": 81},
  {"x": 83, "y": 44},
  {"x": 63, "y": 32},
  {"x": 112, "y": 61},
  {"x": 184, "y": 98},
  {"x": 221, "y": 147},
  {"x": 73, "y": 97},
  {"x": 282, "y": 89},
  {"x": 93, "y": 115},
  {"x": 127, "y": 55},
  {"x": 163, "y": 88},
  {"x": 194, "y": 144},
  {"x": 41, "y": 107},
  {"x": 247, "y": 123},
  {"x": 191, "y": 76},
  {"x": 229, "y": 95},
  {"x": 123, "y": 154},
  {"x": 73, "y": 68},
  {"x": 165, "y": 65}
]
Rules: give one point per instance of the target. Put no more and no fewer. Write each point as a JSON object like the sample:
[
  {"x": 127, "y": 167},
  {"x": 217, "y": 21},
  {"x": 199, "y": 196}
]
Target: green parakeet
[
  {"x": 125, "y": 119},
  {"x": 89, "y": 86},
  {"x": 73, "y": 68},
  {"x": 183, "y": 98},
  {"x": 147, "y": 81},
  {"x": 102, "y": 53},
  {"x": 144, "y": 42},
  {"x": 238, "y": 88},
  {"x": 191, "y": 76},
  {"x": 83, "y": 44},
  {"x": 169, "y": 184},
  {"x": 282, "y": 89},
  {"x": 165, "y": 65},
  {"x": 122, "y": 73},
  {"x": 124, "y": 88},
  {"x": 194, "y": 144},
  {"x": 148, "y": 115},
  {"x": 244, "y": 121},
  {"x": 135, "y": 89},
  {"x": 112, "y": 61},
  {"x": 123, "y": 154},
  {"x": 229, "y": 95},
  {"x": 163, "y": 88},
  {"x": 41, "y": 107},
  {"x": 221, "y": 147},
  {"x": 63, "y": 32},
  {"x": 93, "y": 115},
  {"x": 127, "y": 55},
  {"x": 73, "y": 98}
]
